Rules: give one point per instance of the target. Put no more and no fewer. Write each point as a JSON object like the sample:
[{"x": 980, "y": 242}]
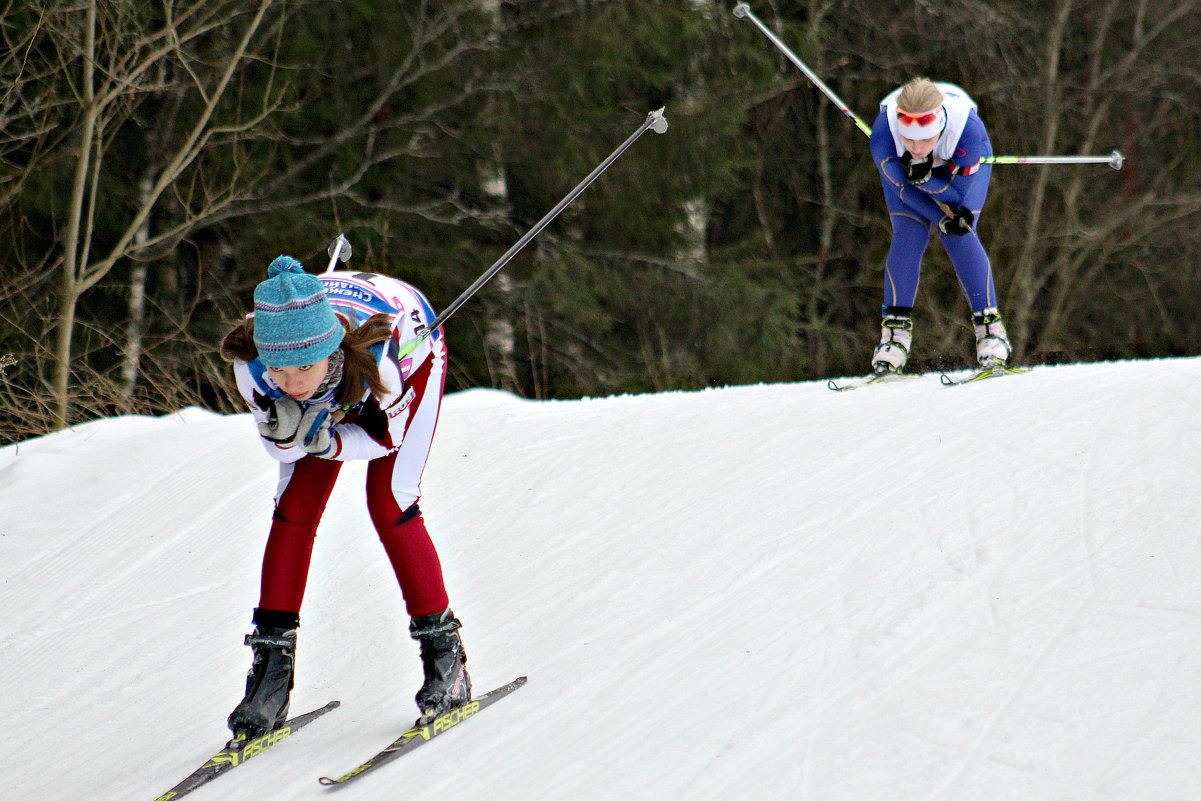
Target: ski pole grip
[{"x": 322, "y": 416}]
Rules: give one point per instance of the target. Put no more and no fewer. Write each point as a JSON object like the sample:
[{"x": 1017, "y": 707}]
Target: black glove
[
  {"x": 917, "y": 171},
  {"x": 958, "y": 221},
  {"x": 282, "y": 421}
]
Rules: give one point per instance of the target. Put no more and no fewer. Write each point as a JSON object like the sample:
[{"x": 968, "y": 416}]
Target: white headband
[{"x": 915, "y": 131}]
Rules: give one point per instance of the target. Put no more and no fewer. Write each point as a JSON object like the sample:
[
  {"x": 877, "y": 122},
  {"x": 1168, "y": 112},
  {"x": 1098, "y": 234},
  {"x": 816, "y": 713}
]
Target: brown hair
[
  {"x": 360, "y": 367},
  {"x": 919, "y": 96}
]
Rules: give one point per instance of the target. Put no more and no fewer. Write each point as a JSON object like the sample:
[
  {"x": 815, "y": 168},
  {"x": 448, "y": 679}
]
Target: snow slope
[{"x": 766, "y": 592}]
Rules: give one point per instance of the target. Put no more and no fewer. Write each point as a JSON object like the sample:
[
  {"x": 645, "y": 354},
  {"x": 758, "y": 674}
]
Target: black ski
[
  {"x": 422, "y": 732},
  {"x": 982, "y": 374},
  {"x": 881, "y": 377},
  {"x": 238, "y": 752}
]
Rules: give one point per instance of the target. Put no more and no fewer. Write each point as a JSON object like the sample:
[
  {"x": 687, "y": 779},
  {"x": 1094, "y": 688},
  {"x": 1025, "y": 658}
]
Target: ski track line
[
  {"x": 891, "y": 662},
  {"x": 972, "y": 752},
  {"x": 898, "y": 665},
  {"x": 1152, "y": 721}
]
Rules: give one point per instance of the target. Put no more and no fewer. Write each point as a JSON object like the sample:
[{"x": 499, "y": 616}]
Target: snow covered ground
[{"x": 766, "y": 592}]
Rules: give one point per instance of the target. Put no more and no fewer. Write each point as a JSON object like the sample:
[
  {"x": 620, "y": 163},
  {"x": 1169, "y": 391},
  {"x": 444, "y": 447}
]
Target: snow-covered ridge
[{"x": 764, "y": 592}]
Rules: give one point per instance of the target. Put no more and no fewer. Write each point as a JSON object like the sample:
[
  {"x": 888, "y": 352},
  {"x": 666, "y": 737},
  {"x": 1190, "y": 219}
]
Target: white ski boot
[
  {"x": 896, "y": 334},
  {"x": 992, "y": 343}
]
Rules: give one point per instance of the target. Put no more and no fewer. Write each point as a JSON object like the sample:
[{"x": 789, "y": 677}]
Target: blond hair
[{"x": 919, "y": 96}]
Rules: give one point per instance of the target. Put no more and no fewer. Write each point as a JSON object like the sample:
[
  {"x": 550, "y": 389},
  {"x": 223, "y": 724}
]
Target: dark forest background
[{"x": 156, "y": 156}]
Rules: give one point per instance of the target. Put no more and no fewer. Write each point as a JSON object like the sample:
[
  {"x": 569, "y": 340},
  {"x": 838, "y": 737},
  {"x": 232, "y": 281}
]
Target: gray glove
[
  {"x": 313, "y": 433},
  {"x": 282, "y": 421}
]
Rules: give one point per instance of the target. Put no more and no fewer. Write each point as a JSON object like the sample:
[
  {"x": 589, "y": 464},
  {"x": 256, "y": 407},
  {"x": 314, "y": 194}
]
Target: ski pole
[
  {"x": 339, "y": 250},
  {"x": 654, "y": 120},
  {"x": 743, "y": 11},
  {"x": 1114, "y": 160}
]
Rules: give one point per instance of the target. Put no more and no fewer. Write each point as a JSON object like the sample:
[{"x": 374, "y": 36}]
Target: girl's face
[
  {"x": 300, "y": 382},
  {"x": 919, "y": 148}
]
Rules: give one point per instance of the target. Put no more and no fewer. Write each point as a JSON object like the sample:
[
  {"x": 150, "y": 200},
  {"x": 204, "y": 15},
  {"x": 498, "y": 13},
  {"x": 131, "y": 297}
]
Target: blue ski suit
[{"x": 958, "y": 179}]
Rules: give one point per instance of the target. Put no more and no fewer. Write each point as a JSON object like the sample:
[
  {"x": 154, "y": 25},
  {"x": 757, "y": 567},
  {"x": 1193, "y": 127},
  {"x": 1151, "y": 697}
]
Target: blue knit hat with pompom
[{"x": 294, "y": 323}]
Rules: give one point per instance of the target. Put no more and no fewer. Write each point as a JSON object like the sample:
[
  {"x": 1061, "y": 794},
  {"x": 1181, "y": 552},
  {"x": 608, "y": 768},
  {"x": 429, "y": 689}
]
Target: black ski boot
[
  {"x": 447, "y": 684},
  {"x": 269, "y": 682}
]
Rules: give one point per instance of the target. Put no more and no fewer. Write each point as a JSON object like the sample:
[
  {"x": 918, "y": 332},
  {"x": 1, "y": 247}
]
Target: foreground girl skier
[{"x": 319, "y": 365}]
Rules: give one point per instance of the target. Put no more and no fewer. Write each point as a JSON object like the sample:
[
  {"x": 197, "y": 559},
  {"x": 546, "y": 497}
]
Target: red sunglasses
[{"x": 917, "y": 119}]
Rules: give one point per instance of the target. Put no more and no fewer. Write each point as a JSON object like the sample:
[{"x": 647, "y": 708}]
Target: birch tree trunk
[
  {"x": 137, "y": 309},
  {"x": 103, "y": 97},
  {"x": 72, "y": 236},
  {"x": 1030, "y": 272}
]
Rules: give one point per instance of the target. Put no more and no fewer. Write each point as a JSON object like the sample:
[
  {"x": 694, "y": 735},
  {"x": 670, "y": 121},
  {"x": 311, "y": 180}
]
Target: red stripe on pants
[
  {"x": 415, "y": 562},
  {"x": 293, "y": 529}
]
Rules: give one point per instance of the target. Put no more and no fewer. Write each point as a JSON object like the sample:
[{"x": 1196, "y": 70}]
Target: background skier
[{"x": 928, "y": 142}]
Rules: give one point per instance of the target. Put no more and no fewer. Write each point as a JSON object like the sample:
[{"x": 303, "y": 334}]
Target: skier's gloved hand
[
  {"x": 958, "y": 221},
  {"x": 314, "y": 433},
  {"x": 917, "y": 171},
  {"x": 282, "y": 422}
]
